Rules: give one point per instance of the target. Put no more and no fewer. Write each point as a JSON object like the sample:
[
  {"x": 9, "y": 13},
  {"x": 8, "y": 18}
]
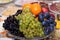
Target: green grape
[{"x": 29, "y": 25}]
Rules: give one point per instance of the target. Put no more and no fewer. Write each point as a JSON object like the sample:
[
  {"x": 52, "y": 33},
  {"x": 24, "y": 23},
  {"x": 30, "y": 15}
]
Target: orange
[
  {"x": 26, "y": 5},
  {"x": 36, "y": 8}
]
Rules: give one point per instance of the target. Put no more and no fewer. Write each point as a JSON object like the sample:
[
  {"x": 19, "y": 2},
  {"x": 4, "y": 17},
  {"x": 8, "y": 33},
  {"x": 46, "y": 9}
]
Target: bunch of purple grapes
[
  {"x": 12, "y": 25},
  {"x": 48, "y": 22}
]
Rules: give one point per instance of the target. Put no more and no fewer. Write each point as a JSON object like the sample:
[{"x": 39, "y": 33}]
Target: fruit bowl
[
  {"x": 17, "y": 37},
  {"x": 22, "y": 38},
  {"x": 29, "y": 23}
]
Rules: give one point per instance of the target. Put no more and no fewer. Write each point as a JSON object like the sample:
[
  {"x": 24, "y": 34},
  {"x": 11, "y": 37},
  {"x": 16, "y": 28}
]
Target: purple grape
[
  {"x": 46, "y": 31},
  {"x": 12, "y": 25},
  {"x": 46, "y": 15},
  {"x": 18, "y": 12},
  {"x": 52, "y": 15},
  {"x": 51, "y": 27},
  {"x": 54, "y": 23},
  {"x": 41, "y": 17},
  {"x": 51, "y": 20},
  {"x": 46, "y": 23}
]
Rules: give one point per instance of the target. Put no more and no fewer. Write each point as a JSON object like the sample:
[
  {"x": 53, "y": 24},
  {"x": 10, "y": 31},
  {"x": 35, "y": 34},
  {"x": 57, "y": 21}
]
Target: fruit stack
[{"x": 34, "y": 20}]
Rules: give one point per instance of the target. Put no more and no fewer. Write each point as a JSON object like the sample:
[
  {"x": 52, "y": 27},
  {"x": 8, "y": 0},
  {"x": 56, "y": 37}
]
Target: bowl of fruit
[{"x": 33, "y": 21}]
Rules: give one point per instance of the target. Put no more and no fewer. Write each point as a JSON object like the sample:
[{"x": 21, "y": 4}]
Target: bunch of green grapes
[{"x": 28, "y": 25}]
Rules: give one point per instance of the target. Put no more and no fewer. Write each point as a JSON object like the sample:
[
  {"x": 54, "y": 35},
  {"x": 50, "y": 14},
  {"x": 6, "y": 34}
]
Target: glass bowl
[{"x": 22, "y": 38}]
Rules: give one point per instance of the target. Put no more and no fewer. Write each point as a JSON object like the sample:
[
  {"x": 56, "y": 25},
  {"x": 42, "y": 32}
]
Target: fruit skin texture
[
  {"x": 46, "y": 30},
  {"x": 36, "y": 8},
  {"x": 51, "y": 27},
  {"x": 12, "y": 25},
  {"x": 41, "y": 17},
  {"x": 45, "y": 23},
  {"x": 46, "y": 15},
  {"x": 55, "y": 23},
  {"x": 52, "y": 15},
  {"x": 28, "y": 5},
  {"x": 51, "y": 19},
  {"x": 44, "y": 9}
]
